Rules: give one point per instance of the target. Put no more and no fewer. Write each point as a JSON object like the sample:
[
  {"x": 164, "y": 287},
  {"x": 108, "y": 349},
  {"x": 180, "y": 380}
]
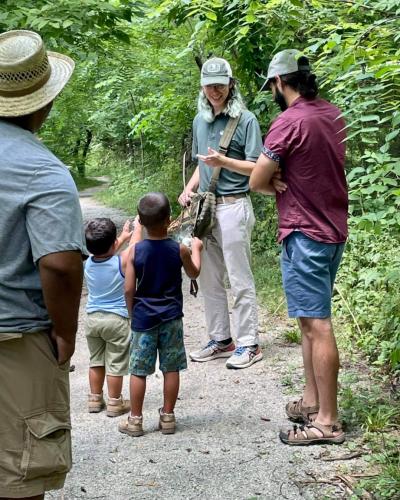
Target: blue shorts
[
  {"x": 309, "y": 269},
  {"x": 167, "y": 340}
]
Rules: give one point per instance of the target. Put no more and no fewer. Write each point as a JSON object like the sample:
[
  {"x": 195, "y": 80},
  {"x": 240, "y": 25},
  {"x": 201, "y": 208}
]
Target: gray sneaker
[
  {"x": 212, "y": 350},
  {"x": 244, "y": 357}
]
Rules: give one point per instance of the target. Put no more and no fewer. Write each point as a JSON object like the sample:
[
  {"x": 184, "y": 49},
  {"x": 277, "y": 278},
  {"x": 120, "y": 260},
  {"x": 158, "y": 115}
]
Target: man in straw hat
[{"x": 41, "y": 247}]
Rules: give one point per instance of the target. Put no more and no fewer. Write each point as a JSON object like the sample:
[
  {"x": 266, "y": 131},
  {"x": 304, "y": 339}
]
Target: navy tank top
[{"x": 158, "y": 297}]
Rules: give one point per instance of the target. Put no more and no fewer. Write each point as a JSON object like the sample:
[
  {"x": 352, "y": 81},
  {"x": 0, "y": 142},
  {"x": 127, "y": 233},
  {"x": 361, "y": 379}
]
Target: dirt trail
[{"x": 226, "y": 445}]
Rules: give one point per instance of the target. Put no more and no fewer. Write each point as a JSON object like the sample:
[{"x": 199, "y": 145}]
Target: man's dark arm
[{"x": 61, "y": 275}]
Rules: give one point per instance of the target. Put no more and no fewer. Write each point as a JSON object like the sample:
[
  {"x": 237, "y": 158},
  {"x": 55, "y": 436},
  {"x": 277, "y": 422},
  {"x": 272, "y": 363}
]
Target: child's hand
[
  {"x": 136, "y": 222},
  {"x": 197, "y": 244},
  {"x": 126, "y": 231}
]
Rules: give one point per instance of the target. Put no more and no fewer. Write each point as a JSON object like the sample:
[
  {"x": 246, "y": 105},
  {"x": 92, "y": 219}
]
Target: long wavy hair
[{"x": 233, "y": 107}]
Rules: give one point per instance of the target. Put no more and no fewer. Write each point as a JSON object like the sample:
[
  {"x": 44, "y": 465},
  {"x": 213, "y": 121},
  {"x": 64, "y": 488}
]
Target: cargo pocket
[{"x": 47, "y": 445}]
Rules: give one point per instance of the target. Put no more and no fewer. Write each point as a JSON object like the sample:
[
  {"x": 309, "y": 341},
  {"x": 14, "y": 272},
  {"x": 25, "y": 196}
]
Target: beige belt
[{"x": 230, "y": 198}]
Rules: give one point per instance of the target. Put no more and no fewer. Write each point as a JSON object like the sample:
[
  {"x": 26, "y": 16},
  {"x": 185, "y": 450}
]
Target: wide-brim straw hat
[{"x": 30, "y": 76}]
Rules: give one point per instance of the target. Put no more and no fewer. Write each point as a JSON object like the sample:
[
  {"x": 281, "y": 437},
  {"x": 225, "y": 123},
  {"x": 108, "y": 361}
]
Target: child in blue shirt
[
  {"x": 107, "y": 322},
  {"x": 153, "y": 293}
]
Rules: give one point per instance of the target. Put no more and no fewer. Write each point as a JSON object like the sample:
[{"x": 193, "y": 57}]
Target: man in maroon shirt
[{"x": 303, "y": 164}]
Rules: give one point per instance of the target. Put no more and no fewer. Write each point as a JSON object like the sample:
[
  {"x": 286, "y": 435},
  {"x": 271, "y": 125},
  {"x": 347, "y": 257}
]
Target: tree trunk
[{"x": 86, "y": 146}]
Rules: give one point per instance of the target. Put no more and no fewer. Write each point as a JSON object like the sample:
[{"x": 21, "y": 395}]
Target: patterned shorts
[{"x": 167, "y": 340}]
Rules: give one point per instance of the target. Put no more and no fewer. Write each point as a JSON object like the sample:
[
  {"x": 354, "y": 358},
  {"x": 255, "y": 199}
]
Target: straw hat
[{"x": 30, "y": 77}]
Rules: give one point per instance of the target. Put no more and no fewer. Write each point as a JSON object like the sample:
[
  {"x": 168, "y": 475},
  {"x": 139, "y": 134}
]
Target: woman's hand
[{"x": 213, "y": 159}]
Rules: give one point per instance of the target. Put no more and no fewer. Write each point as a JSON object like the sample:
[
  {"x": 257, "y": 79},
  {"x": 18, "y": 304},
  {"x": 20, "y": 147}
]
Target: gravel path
[{"x": 226, "y": 444}]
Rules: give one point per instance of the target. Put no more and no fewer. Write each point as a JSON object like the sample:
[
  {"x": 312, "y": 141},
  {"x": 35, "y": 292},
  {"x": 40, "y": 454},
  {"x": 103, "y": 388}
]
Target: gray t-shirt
[
  {"x": 39, "y": 215},
  {"x": 246, "y": 144}
]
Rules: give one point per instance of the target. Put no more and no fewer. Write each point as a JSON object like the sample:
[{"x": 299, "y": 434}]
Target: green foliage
[
  {"x": 370, "y": 296},
  {"x": 268, "y": 281},
  {"x": 85, "y": 182},
  {"x": 370, "y": 408},
  {"x": 264, "y": 236},
  {"x": 128, "y": 185},
  {"x": 73, "y": 24},
  {"x": 292, "y": 336},
  {"x": 387, "y": 458}
]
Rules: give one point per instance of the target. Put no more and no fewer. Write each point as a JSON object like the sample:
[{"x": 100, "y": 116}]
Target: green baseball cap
[
  {"x": 285, "y": 62},
  {"x": 216, "y": 71}
]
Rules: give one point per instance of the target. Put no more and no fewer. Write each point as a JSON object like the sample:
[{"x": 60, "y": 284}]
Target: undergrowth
[
  {"x": 371, "y": 412},
  {"x": 85, "y": 182}
]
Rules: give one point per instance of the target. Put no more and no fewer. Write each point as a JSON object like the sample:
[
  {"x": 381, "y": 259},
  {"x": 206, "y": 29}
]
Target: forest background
[{"x": 128, "y": 111}]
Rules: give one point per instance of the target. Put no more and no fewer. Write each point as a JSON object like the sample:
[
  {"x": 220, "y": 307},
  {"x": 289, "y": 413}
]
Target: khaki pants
[
  {"x": 108, "y": 336},
  {"x": 228, "y": 248},
  {"x": 35, "y": 439}
]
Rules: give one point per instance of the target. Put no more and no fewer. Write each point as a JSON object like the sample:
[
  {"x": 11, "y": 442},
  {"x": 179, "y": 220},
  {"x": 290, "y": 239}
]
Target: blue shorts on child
[{"x": 167, "y": 340}]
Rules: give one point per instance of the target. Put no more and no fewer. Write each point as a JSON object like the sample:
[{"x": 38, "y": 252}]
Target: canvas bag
[{"x": 198, "y": 219}]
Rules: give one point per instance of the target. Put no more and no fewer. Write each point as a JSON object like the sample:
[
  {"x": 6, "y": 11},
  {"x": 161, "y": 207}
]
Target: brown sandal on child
[
  {"x": 299, "y": 413},
  {"x": 305, "y": 434}
]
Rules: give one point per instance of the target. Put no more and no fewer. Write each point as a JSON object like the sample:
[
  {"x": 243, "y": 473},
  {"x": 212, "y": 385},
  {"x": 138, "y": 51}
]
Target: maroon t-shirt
[{"x": 307, "y": 141}]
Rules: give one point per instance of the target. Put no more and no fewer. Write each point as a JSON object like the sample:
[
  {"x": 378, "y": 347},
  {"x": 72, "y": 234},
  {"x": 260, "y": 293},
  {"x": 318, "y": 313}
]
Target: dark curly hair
[
  {"x": 302, "y": 81},
  {"x": 100, "y": 234}
]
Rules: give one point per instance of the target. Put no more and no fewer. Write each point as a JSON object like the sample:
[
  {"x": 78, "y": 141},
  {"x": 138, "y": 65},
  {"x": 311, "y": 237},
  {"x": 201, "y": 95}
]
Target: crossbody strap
[{"x": 223, "y": 149}]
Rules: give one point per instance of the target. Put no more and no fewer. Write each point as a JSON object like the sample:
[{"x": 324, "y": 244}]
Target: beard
[{"x": 280, "y": 100}]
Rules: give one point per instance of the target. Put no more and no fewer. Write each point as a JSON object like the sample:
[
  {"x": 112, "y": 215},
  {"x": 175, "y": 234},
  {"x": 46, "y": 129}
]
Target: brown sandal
[
  {"x": 299, "y": 413},
  {"x": 305, "y": 434}
]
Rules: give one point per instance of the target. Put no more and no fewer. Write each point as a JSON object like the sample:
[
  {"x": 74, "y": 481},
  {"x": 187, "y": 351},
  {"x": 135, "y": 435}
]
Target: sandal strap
[
  {"x": 298, "y": 407},
  {"x": 305, "y": 431},
  {"x": 327, "y": 429}
]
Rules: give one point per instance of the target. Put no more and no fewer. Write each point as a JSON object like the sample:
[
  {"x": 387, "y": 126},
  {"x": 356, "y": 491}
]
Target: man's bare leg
[
  {"x": 325, "y": 365},
  {"x": 310, "y": 395}
]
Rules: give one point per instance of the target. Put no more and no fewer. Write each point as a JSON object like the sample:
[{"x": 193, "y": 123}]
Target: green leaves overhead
[{"x": 72, "y": 23}]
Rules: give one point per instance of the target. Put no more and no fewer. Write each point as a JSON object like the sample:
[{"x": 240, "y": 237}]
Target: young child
[
  {"x": 107, "y": 322},
  {"x": 153, "y": 293}
]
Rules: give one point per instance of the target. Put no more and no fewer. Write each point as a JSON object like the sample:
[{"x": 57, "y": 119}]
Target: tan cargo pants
[{"x": 35, "y": 440}]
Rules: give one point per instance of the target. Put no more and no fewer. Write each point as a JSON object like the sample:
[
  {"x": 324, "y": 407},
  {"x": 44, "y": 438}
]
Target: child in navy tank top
[
  {"x": 153, "y": 293},
  {"x": 107, "y": 322}
]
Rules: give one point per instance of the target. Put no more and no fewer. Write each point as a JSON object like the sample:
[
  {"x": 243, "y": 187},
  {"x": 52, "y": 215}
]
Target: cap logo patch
[{"x": 214, "y": 68}]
